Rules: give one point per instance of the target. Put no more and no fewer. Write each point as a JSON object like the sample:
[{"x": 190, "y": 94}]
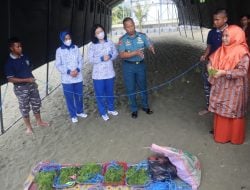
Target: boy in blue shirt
[
  {"x": 214, "y": 41},
  {"x": 18, "y": 71}
]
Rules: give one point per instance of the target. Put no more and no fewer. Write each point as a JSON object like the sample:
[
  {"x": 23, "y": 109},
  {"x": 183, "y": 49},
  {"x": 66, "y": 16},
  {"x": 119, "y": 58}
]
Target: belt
[
  {"x": 21, "y": 84},
  {"x": 134, "y": 62}
]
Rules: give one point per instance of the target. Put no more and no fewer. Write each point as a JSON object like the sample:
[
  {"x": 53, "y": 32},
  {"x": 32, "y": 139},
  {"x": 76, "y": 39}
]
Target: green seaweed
[
  {"x": 137, "y": 177},
  {"x": 44, "y": 180},
  {"x": 212, "y": 72},
  {"x": 88, "y": 171},
  {"x": 114, "y": 175},
  {"x": 66, "y": 173}
]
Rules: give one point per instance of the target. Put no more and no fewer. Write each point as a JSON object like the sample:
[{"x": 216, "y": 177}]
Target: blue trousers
[
  {"x": 104, "y": 91},
  {"x": 135, "y": 77},
  {"x": 74, "y": 98}
]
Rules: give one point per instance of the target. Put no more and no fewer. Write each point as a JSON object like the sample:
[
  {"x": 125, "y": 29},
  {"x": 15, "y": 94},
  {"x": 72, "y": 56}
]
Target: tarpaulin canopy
[{"x": 38, "y": 22}]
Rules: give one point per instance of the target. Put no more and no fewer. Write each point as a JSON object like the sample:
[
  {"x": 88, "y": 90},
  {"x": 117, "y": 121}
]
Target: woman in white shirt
[
  {"x": 101, "y": 54},
  {"x": 69, "y": 63}
]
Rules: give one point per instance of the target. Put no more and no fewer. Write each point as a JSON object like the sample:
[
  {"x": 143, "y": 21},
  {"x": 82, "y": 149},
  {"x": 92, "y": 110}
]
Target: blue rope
[
  {"x": 142, "y": 165},
  {"x": 139, "y": 92},
  {"x": 113, "y": 164},
  {"x": 97, "y": 178},
  {"x": 51, "y": 167}
]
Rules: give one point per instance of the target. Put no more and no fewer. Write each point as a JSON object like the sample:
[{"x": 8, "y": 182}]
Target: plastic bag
[
  {"x": 187, "y": 165},
  {"x": 161, "y": 169}
]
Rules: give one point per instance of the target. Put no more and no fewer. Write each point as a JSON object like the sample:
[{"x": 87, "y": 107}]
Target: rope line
[{"x": 138, "y": 92}]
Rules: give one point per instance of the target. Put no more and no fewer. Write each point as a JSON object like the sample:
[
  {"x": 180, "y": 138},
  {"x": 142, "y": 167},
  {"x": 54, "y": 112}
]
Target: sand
[{"x": 175, "y": 123}]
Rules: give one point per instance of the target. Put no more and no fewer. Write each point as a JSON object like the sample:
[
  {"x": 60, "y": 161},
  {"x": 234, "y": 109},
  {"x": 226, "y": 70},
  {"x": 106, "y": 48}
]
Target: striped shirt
[{"x": 228, "y": 96}]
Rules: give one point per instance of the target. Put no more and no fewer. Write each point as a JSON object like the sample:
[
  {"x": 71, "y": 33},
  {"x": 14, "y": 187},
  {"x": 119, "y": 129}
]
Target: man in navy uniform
[{"x": 131, "y": 50}]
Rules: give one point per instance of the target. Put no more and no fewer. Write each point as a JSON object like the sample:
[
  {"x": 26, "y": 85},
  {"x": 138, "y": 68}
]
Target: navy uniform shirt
[
  {"x": 132, "y": 43},
  {"x": 18, "y": 67},
  {"x": 214, "y": 39}
]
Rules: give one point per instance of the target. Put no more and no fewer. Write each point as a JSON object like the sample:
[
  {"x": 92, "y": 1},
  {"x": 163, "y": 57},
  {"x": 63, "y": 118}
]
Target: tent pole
[
  {"x": 200, "y": 20},
  {"x": 1, "y": 111},
  {"x": 48, "y": 47}
]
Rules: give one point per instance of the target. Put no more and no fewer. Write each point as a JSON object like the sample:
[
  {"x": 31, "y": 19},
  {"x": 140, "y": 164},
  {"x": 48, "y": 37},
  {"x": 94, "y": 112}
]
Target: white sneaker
[
  {"x": 105, "y": 117},
  {"x": 74, "y": 119},
  {"x": 113, "y": 112},
  {"x": 83, "y": 115}
]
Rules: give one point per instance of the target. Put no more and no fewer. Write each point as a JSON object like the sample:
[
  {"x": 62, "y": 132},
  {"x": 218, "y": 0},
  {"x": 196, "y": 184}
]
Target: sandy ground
[{"x": 175, "y": 123}]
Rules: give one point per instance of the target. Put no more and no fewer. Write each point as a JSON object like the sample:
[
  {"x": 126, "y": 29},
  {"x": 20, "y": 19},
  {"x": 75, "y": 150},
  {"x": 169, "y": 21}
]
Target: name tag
[
  {"x": 128, "y": 43},
  {"x": 139, "y": 40}
]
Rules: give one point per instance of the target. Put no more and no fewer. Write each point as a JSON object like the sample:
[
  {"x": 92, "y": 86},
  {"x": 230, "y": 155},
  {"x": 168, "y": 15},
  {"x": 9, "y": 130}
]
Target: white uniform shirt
[
  {"x": 102, "y": 69},
  {"x": 69, "y": 59}
]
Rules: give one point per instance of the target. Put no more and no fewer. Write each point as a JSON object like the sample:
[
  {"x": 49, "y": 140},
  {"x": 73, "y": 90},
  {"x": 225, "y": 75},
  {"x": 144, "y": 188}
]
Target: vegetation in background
[
  {"x": 119, "y": 13},
  {"x": 141, "y": 12}
]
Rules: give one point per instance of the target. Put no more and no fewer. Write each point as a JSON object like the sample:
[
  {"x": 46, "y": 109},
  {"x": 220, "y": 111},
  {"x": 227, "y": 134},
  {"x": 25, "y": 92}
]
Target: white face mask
[
  {"x": 67, "y": 42},
  {"x": 100, "y": 36}
]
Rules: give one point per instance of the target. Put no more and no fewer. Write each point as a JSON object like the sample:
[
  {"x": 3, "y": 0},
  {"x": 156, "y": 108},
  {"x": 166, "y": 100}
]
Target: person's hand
[
  {"x": 209, "y": 66},
  {"x": 31, "y": 80},
  {"x": 219, "y": 73},
  {"x": 152, "y": 49},
  {"x": 74, "y": 73},
  {"x": 140, "y": 53},
  {"x": 106, "y": 57},
  {"x": 203, "y": 58}
]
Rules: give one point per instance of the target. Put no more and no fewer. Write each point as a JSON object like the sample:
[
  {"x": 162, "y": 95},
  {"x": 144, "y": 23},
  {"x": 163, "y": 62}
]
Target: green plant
[
  {"x": 88, "y": 171},
  {"x": 114, "y": 174},
  {"x": 212, "y": 72},
  {"x": 45, "y": 180},
  {"x": 66, "y": 173},
  {"x": 136, "y": 176}
]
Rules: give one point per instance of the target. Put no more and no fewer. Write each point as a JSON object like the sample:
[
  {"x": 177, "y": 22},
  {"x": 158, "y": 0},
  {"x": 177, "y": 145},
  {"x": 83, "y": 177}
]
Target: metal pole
[
  {"x": 183, "y": 20},
  {"x": 72, "y": 16},
  {"x": 159, "y": 24},
  {"x": 191, "y": 24},
  {"x": 9, "y": 19},
  {"x": 177, "y": 18},
  {"x": 200, "y": 20},
  {"x": 95, "y": 7},
  {"x": 47, "y": 47},
  {"x": 85, "y": 21},
  {"x": 1, "y": 111}
]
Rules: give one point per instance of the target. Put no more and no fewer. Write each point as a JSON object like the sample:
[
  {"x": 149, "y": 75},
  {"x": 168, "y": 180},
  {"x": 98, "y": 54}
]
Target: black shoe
[
  {"x": 134, "y": 115},
  {"x": 147, "y": 110},
  {"x": 211, "y": 132}
]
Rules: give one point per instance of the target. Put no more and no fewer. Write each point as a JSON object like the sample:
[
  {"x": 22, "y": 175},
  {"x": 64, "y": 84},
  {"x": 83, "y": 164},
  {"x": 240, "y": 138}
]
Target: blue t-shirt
[
  {"x": 132, "y": 43},
  {"x": 18, "y": 67},
  {"x": 214, "y": 39}
]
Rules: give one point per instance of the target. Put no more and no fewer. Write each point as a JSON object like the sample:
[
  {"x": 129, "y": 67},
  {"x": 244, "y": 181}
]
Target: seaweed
[
  {"x": 66, "y": 174},
  {"x": 88, "y": 171},
  {"x": 136, "y": 176},
  {"x": 212, "y": 72},
  {"x": 114, "y": 174},
  {"x": 45, "y": 180}
]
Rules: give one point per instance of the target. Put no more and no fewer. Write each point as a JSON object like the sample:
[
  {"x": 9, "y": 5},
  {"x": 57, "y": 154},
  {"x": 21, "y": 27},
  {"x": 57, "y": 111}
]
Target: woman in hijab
[
  {"x": 69, "y": 63},
  {"x": 228, "y": 98}
]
